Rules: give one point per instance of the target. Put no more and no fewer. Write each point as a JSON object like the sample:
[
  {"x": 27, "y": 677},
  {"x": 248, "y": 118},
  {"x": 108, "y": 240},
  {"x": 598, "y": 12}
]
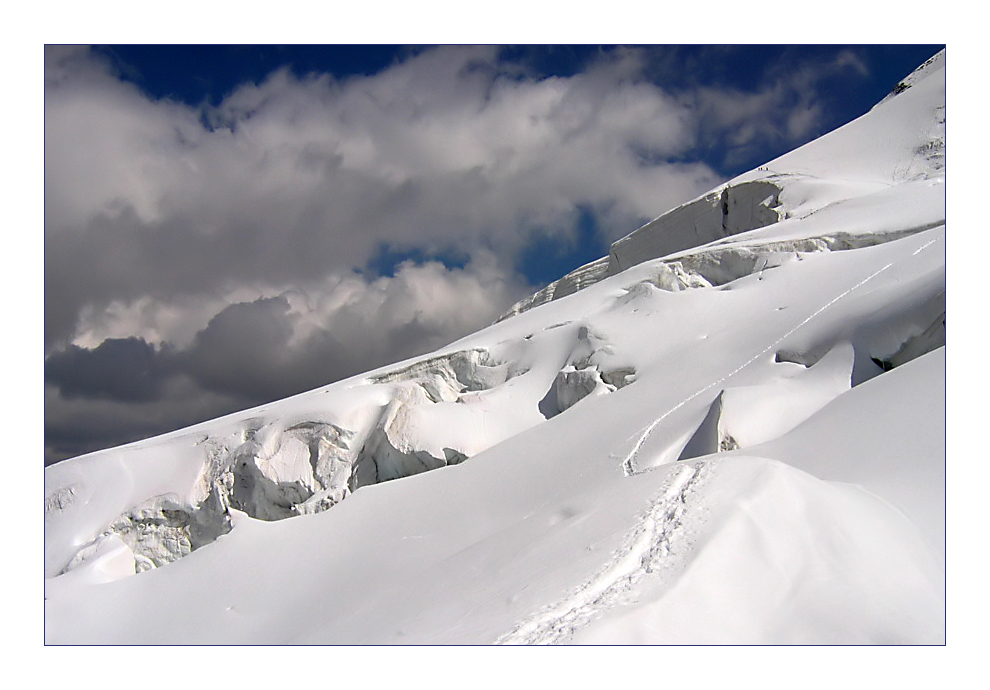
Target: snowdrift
[{"x": 729, "y": 430}]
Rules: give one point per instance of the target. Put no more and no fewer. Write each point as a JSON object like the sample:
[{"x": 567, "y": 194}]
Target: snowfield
[{"x": 731, "y": 430}]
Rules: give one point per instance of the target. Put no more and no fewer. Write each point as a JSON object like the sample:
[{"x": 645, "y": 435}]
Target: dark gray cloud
[
  {"x": 74, "y": 426},
  {"x": 242, "y": 348},
  {"x": 277, "y": 346},
  {"x": 125, "y": 369}
]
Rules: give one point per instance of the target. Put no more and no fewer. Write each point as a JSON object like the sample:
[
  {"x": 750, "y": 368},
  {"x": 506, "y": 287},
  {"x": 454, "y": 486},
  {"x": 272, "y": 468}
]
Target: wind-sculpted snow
[
  {"x": 586, "y": 372},
  {"x": 760, "y": 525},
  {"x": 271, "y": 471},
  {"x": 391, "y": 451},
  {"x": 744, "y": 416},
  {"x": 869, "y": 332},
  {"x": 665, "y": 446}
]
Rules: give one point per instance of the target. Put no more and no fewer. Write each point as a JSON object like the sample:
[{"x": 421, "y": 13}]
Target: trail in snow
[
  {"x": 658, "y": 543},
  {"x": 629, "y": 462},
  {"x": 656, "y": 546}
]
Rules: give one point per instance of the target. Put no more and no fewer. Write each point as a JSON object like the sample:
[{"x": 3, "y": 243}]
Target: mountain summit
[{"x": 730, "y": 430}]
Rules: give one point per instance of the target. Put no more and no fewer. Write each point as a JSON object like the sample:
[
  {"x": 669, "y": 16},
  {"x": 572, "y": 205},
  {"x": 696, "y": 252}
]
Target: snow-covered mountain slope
[{"x": 729, "y": 430}]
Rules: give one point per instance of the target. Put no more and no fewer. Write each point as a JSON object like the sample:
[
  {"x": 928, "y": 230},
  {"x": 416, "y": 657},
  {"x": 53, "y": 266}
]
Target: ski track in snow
[
  {"x": 658, "y": 544},
  {"x": 629, "y": 462}
]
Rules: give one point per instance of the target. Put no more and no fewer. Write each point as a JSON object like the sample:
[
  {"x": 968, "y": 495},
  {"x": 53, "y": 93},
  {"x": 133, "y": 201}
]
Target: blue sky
[
  {"x": 207, "y": 73},
  {"x": 227, "y": 225}
]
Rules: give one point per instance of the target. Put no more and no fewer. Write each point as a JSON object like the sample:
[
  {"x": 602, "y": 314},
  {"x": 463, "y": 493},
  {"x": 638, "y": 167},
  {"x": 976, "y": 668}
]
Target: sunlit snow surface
[{"x": 731, "y": 430}]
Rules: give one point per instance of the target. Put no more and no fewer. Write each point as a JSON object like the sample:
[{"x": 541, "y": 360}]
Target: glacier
[{"x": 729, "y": 430}]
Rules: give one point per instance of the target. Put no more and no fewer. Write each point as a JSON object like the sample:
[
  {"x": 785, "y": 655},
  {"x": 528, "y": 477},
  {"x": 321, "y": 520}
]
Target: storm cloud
[{"x": 126, "y": 369}]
